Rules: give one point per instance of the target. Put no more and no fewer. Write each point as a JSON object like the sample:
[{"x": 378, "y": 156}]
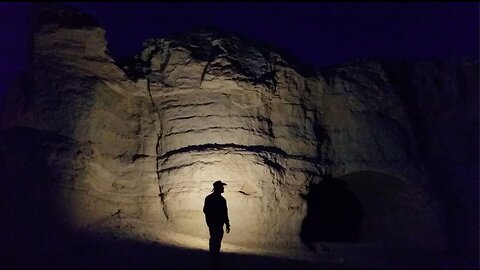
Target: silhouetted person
[{"x": 216, "y": 215}]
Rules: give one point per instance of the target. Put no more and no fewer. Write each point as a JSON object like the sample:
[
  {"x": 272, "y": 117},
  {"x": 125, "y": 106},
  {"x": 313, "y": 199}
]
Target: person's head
[{"x": 218, "y": 186}]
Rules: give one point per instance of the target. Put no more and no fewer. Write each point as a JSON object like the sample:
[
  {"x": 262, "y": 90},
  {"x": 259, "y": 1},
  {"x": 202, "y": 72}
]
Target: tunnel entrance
[
  {"x": 334, "y": 213},
  {"x": 365, "y": 207}
]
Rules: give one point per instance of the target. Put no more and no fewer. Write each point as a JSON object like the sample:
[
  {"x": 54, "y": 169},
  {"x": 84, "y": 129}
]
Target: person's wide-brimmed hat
[{"x": 218, "y": 184}]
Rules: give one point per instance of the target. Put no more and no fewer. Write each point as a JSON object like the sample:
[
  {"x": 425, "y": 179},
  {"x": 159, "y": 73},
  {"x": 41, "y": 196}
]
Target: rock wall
[{"x": 140, "y": 144}]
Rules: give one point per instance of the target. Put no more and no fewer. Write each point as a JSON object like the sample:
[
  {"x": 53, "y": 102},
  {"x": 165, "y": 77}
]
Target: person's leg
[
  {"x": 211, "y": 241},
  {"x": 216, "y": 235}
]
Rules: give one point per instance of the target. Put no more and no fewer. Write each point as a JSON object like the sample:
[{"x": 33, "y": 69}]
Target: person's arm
[
  {"x": 206, "y": 209},
  {"x": 227, "y": 221}
]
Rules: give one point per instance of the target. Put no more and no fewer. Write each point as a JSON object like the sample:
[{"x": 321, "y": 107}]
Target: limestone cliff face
[{"x": 137, "y": 147}]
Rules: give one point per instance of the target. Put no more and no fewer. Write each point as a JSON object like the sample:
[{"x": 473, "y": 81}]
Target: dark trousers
[{"x": 216, "y": 236}]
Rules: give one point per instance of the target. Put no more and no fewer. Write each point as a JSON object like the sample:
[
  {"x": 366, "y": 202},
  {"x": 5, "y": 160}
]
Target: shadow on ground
[
  {"x": 59, "y": 250},
  {"x": 76, "y": 250}
]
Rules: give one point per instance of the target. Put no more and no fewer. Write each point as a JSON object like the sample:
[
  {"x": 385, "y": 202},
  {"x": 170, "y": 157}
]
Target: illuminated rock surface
[{"x": 134, "y": 148}]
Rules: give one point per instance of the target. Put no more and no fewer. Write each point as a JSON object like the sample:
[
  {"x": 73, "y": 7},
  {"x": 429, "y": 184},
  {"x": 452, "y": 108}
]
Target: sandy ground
[{"x": 174, "y": 250}]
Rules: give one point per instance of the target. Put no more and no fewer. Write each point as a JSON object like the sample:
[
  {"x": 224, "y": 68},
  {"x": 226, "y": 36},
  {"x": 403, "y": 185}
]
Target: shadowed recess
[{"x": 334, "y": 213}]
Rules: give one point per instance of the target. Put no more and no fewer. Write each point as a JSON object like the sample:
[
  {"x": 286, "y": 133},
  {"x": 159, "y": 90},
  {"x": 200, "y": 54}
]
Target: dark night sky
[{"x": 320, "y": 34}]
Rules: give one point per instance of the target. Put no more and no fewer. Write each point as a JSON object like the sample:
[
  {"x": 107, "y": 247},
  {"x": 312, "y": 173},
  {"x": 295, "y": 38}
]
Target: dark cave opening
[
  {"x": 371, "y": 207},
  {"x": 334, "y": 213}
]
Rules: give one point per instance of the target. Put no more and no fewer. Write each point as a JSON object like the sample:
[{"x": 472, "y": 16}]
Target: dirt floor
[{"x": 109, "y": 251}]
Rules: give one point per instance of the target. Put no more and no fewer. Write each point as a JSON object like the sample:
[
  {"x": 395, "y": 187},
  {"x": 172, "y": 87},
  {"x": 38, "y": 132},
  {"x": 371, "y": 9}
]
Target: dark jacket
[{"x": 216, "y": 211}]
